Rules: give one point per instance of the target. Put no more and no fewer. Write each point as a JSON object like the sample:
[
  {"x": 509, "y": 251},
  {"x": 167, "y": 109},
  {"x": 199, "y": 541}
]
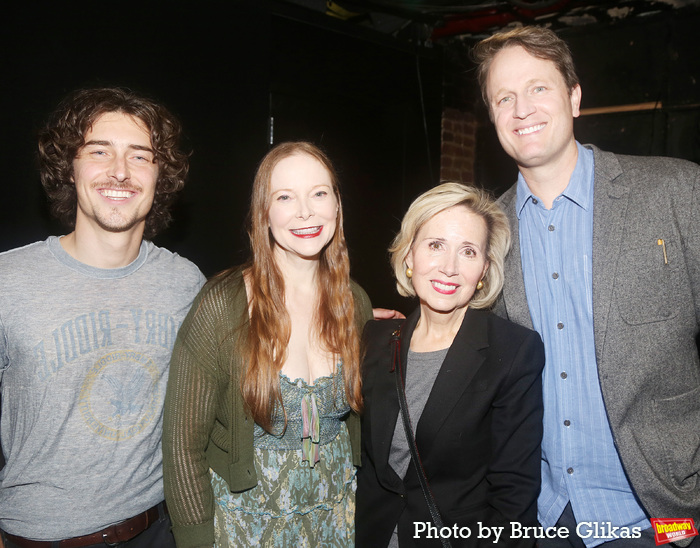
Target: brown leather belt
[{"x": 119, "y": 532}]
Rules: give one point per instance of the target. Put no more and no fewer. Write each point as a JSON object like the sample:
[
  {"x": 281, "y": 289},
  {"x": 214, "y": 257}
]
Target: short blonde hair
[{"x": 444, "y": 196}]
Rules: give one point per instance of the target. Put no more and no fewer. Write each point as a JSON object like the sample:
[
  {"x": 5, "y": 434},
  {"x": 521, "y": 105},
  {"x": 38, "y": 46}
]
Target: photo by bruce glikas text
[{"x": 585, "y": 529}]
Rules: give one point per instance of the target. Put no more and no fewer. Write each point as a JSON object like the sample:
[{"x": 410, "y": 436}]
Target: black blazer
[{"x": 479, "y": 435}]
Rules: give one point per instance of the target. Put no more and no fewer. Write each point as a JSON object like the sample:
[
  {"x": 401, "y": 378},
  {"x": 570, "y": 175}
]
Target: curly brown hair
[{"x": 64, "y": 135}]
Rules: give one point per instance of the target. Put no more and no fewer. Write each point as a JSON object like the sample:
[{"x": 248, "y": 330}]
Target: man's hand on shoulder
[{"x": 386, "y": 314}]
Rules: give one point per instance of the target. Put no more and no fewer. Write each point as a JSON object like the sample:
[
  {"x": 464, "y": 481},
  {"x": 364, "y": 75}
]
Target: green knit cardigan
[{"x": 205, "y": 424}]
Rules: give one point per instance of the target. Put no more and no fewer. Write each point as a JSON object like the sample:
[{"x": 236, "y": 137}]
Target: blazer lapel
[
  {"x": 610, "y": 200},
  {"x": 385, "y": 412},
  {"x": 514, "y": 296},
  {"x": 463, "y": 360}
]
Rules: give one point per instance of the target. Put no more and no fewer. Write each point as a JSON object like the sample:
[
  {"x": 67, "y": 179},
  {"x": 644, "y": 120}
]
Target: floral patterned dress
[{"x": 305, "y": 494}]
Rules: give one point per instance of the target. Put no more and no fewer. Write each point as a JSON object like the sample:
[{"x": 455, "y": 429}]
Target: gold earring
[
  {"x": 409, "y": 273},
  {"x": 480, "y": 285}
]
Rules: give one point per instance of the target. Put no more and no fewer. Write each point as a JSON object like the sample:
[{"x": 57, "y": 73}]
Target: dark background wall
[{"x": 240, "y": 72}]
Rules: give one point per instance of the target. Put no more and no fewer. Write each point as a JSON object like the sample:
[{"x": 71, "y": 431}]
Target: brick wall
[{"x": 458, "y": 145}]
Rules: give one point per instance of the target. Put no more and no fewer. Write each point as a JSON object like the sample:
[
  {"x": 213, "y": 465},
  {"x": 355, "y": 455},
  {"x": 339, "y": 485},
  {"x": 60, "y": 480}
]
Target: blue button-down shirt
[{"x": 579, "y": 460}]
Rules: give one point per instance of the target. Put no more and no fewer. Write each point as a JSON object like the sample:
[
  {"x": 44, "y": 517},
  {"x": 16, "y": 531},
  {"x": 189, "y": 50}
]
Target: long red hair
[{"x": 270, "y": 325}]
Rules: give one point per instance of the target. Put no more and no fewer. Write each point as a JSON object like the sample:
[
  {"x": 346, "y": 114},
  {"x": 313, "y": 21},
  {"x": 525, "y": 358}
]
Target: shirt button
[
  {"x": 567, "y": 422},
  {"x": 570, "y": 470},
  {"x": 560, "y": 325},
  {"x": 550, "y": 228},
  {"x": 555, "y": 275},
  {"x": 534, "y": 201},
  {"x": 563, "y": 374}
]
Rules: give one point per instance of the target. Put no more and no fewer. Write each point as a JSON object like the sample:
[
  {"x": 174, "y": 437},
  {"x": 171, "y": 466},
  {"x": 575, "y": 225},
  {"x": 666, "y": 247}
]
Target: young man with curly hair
[{"x": 87, "y": 324}]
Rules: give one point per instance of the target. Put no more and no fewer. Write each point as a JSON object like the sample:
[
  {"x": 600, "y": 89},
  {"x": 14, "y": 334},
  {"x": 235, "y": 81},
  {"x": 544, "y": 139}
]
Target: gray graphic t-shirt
[{"x": 84, "y": 354}]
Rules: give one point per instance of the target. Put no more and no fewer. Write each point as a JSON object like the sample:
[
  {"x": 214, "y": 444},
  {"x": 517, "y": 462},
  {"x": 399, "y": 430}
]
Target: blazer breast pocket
[{"x": 647, "y": 283}]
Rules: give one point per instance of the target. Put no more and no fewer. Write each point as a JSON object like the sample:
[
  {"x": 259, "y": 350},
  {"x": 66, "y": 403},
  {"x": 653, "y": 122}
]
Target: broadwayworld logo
[{"x": 671, "y": 530}]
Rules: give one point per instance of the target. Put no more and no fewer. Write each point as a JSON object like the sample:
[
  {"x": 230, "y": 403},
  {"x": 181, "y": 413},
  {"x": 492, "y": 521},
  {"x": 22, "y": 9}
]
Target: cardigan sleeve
[
  {"x": 363, "y": 313},
  {"x": 189, "y": 416},
  {"x": 363, "y": 307}
]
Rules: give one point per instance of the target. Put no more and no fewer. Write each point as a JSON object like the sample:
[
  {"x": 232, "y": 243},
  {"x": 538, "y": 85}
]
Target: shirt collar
[{"x": 580, "y": 187}]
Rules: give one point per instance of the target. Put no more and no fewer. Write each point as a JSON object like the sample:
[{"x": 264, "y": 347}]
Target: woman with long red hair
[{"x": 261, "y": 426}]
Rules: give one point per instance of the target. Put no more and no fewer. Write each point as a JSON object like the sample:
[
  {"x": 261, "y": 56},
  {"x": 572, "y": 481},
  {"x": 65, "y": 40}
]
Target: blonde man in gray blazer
[{"x": 605, "y": 265}]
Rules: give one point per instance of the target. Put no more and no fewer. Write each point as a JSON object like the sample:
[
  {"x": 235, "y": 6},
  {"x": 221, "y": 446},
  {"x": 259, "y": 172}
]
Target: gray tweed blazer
[{"x": 646, "y": 315}]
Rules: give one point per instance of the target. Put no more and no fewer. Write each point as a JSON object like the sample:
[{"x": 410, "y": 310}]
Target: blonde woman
[
  {"x": 261, "y": 416},
  {"x": 472, "y": 385}
]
